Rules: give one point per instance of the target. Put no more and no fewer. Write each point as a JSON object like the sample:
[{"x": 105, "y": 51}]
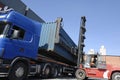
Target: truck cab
[
  {"x": 19, "y": 39},
  {"x": 18, "y": 35}
]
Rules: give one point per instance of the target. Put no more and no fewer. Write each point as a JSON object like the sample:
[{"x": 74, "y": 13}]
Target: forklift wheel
[
  {"x": 80, "y": 74},
  {"x": 116, "y": 76}
]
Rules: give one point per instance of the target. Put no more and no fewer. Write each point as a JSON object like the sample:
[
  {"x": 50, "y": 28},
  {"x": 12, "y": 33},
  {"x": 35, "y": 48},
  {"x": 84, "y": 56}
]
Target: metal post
[{"x": 81, "y": 41}]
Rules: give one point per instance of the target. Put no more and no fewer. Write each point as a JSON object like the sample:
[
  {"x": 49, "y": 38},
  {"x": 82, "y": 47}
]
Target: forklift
[
  {"x": 93, "y": 65},
  {"x": 87, "y": 65}
]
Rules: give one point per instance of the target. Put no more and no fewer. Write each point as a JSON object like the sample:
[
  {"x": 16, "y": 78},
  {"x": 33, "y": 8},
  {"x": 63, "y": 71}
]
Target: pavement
[
  {"x": 33, "y": 78},
  {"x": 63, "y": 79}
]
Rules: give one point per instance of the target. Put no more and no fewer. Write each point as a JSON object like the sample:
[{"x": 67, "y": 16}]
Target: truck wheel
[
  {"x": 47, "y": 72},
  {"x": 116, "y": 76},
  {"x": 19, "y": 71},
  {"x": 80, "y": 74},
  {"x": 55, "y": 72}
]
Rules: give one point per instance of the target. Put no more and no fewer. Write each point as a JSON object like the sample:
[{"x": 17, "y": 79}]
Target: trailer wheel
[
  {"x": 19, "y": 71},
  {"x": 46, "y": 72},
  {"x": 80, "y": 74},
  {"x": 116, "y": 76},
  {"x": 55, "y": 72}
]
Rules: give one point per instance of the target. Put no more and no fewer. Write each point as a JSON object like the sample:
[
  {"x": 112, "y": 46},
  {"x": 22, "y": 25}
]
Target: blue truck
[{"x": 28, "y": 47}]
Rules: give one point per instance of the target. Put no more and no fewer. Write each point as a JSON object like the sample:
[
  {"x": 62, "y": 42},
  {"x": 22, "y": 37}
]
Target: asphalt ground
[{"x": 33, "y": 78}]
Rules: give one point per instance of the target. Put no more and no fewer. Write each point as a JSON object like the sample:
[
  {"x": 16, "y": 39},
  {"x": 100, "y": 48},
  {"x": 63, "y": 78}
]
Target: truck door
[
  {"x": 18, "y": 46},
  {"x": 15, "y": 46}
]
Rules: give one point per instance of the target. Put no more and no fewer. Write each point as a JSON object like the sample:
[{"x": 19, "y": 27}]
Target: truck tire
[
  {"x": 80, "y": 74},
  {"x": 19, "y": 71},
  {"x": 47, "y": 72},
  {"x": 116, "y": 76},
  {"x": 55, "y": 72}
]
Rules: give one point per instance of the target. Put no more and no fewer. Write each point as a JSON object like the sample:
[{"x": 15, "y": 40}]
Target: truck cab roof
[{"x": 17, "y": 18}]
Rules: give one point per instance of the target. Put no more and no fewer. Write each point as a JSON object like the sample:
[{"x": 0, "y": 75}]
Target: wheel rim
[
  {"x": 47, "y": 71},
  {"x": 117, "y": 77},
  {"x": 81, "y": 74},
  {"x": 19, "y": 72}
]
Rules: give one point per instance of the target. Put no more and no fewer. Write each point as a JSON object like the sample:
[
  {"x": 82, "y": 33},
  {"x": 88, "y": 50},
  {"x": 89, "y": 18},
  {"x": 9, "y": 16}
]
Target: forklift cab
[{"x": 95, "y": 61}]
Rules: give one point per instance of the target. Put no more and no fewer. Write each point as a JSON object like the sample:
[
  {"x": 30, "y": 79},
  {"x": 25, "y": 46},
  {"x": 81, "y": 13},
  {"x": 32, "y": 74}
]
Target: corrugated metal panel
[
  {"x": 47, "y": 37},
  {"x": 62, "y": 48}
]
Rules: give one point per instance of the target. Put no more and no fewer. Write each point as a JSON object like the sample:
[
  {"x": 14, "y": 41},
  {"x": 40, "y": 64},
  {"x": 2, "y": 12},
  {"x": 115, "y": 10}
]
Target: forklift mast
[{"x": 81, "y": 41}]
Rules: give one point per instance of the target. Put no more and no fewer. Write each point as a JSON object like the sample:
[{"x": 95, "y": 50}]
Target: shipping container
[{"x": 58, "y": 44}]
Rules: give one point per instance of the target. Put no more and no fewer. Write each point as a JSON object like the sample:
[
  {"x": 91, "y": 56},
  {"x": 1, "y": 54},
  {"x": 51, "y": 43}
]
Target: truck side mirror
[{"x": 15, "y": 34}]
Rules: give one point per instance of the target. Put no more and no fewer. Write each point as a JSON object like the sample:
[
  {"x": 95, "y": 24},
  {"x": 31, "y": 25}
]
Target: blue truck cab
[
  {"x": 19, "y": 36},
  {"x": 19, "y": 39}
]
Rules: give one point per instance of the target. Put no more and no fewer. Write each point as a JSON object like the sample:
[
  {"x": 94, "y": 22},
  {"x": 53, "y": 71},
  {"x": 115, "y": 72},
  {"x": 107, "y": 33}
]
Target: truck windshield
[{"x": 4, "y": 29}]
